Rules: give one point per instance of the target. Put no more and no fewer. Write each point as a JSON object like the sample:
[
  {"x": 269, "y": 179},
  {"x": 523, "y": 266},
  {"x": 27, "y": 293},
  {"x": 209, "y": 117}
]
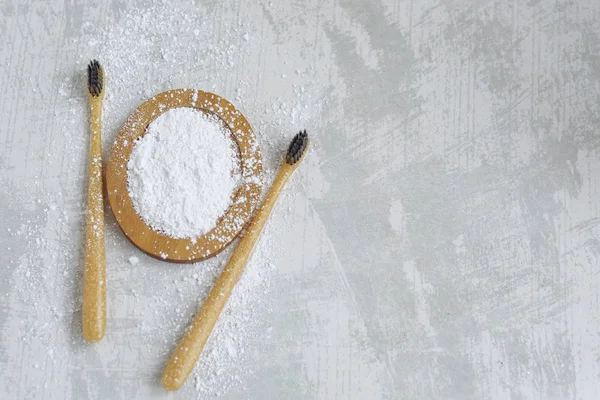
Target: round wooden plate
[{"x": 245, "y": 199}]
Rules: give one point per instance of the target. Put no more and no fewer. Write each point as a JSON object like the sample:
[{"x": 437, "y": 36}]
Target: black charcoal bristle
[
  {"x": 95, "y": 78},
  {"x": 297, "y": 148}
]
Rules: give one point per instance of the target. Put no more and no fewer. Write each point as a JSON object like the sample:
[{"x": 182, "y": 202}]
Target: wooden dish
[{"x": 245, "y": 199}]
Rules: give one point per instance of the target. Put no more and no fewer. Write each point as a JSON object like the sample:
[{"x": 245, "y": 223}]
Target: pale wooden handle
[
  {"x": 94, "y": 276},
  {"x": 187, "y": 352}
]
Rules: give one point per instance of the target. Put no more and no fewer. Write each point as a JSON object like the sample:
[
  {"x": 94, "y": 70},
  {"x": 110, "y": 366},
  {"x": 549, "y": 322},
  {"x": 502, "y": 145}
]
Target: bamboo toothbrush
[
  {"x": 94, "y": 276},
  {"x": 187, "y": 352}
]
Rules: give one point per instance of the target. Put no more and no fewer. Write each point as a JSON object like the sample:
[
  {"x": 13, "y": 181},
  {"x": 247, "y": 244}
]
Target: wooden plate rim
[{"x": 245, "y": 199}]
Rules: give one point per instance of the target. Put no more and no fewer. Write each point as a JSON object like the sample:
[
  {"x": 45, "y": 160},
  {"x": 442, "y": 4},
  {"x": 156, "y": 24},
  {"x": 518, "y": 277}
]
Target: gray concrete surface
[{"x": 442, "y": 241}]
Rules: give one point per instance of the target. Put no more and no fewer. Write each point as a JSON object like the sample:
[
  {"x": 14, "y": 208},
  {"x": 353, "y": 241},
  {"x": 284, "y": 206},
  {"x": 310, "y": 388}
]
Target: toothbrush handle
[
  {"x": 187, "y": 352},
  {"x": 94, "y": 275}
]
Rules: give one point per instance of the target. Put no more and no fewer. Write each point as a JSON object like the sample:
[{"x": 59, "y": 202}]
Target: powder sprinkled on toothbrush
[{"x": 183, "y": 172}]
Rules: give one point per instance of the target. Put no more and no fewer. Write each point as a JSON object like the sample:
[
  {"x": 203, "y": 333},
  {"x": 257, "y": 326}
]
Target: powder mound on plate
[{"x": 182, "y": 173}]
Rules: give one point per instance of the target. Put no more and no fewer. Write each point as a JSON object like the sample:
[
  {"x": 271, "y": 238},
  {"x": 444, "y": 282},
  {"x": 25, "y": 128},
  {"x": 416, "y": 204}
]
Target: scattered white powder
[
  {"x": 182, "y": 172},
  {"x": 133, "y": 260},
  {"x": 151, "y": 305}
]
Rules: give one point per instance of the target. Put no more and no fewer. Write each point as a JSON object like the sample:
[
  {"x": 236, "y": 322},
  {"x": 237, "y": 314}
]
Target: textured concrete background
[{"x": 445, "y": 239}]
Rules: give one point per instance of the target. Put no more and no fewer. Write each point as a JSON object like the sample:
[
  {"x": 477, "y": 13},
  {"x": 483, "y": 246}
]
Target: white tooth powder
[
  {"x": 183, "y": 172},
  {"x": 151, "y": 302}
]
